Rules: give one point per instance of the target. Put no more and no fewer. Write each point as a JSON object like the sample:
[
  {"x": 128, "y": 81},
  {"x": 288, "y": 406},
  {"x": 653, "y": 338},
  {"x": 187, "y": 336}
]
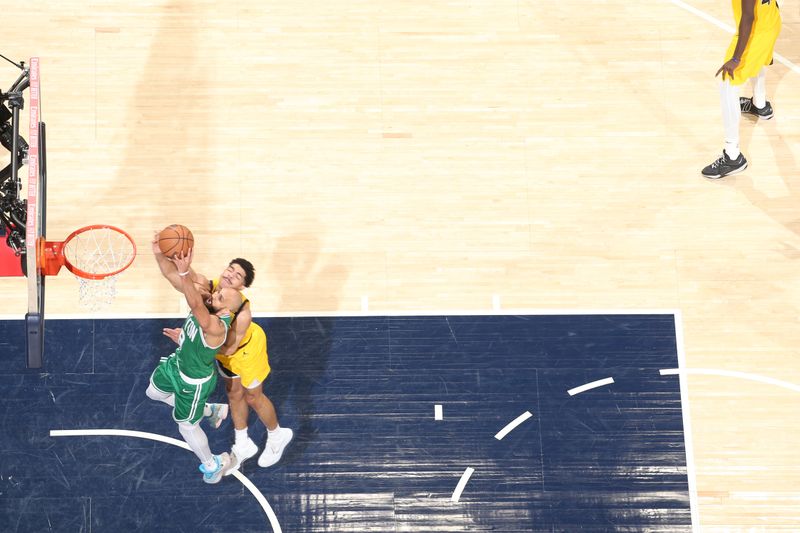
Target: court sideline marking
[
  {"x": 273, "y": 519},
  {"x": 730, "y": 29},
  {"x": 729, "y": 373}
]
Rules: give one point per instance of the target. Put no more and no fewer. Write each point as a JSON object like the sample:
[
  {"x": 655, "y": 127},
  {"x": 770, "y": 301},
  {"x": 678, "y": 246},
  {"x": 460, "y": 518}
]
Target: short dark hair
[{"x": 247, "y": 266}]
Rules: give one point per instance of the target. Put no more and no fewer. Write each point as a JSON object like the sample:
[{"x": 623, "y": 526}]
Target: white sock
[
  {"x": 196, "y": 438},
  {"x": 273, "y": 431},
  {"x": 729, "y": 99},
  {"x": 760, "y": 88},
  {"x": 241, "y": 436}
]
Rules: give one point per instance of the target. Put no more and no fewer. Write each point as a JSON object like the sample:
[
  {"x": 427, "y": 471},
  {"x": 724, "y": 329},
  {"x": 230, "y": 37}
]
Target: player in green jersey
[
  {"x": 186, "y": 378},
  {"x": 242, "y": 362}
]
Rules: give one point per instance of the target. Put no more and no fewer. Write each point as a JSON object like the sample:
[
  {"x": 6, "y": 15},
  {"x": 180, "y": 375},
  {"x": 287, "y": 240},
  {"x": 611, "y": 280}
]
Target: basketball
[{"x": 175, "y": 239}]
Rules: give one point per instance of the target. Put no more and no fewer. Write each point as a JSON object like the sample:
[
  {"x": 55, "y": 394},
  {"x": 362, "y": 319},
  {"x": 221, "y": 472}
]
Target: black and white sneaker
[
  {"x": 747, "y": 107},
  {"x": 725, "y": 166}
]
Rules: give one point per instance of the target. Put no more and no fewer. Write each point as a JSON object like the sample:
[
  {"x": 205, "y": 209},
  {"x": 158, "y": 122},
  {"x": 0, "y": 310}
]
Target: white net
[
  {"x": 96, "y": 255},
  {"x": 97, "y": 294}
]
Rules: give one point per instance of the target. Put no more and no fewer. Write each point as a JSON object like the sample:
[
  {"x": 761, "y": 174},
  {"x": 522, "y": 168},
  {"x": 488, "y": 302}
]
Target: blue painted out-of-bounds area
[{"x": 368, "y": 455}]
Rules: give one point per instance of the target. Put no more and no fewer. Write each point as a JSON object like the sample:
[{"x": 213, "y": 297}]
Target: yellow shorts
[
  {"x": 757, "y": 54},
  {"x": 250, "y": 362}
]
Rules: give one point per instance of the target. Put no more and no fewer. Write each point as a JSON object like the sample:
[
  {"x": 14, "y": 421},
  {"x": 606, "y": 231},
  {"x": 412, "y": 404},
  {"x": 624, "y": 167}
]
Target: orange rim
[{"x": 56, "y": 250}]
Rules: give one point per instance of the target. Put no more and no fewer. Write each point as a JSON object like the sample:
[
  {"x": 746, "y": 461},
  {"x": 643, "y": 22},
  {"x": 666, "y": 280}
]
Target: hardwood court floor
[{"x": 449, "y": 155}]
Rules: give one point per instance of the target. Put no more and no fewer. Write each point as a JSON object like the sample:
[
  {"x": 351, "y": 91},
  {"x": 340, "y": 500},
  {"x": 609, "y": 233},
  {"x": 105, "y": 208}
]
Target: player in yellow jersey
[
  {"x": 244, "y": 365},
  {"x": 749, "y": 53}
]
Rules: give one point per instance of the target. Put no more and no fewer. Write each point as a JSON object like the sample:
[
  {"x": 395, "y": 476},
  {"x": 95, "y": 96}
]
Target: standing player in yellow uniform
[
  {"x": 244, "y": 365},
  {"x": 750, "y": 51}
]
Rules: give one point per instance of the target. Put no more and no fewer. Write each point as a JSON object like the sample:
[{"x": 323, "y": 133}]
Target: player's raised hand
[
  {"x": 156, "y": 248},
  {"x": 173, "y": 334},
  {"x": 183, "y": 262}
]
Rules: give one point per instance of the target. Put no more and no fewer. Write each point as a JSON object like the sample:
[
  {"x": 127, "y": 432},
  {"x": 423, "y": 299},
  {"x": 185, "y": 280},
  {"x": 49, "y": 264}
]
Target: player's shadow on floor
[
  {"x": 782, "y": 208},
  {"x": 299, "y": 347}
]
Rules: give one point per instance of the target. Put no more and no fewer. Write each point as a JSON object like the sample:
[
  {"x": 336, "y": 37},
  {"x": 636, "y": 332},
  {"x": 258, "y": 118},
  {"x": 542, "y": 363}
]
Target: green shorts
[{"x": 190, "y": 394}]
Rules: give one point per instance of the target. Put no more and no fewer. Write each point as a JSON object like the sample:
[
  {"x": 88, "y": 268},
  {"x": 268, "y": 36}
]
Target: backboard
[
  {"x": 22, "y": 214},
  {"x": 35, "y": 220}
]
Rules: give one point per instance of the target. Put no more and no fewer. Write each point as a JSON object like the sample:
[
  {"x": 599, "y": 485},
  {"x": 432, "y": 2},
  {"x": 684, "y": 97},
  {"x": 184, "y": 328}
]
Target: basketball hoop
[{"x": 95, "y": 254}]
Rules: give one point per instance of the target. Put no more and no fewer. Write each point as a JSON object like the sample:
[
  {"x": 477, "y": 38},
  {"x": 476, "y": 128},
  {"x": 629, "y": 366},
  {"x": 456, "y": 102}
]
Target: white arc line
[
  {"x": 729, "y": 374},
  {"x": 591, "y": 385},
  {"x": 511, "y": 425},
  {"x": 273, "y": 519},
  {"x": 461, "y": 484}
]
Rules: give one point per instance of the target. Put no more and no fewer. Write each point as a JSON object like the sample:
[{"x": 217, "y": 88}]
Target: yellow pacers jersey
[
  {"x": 767, "y": 14},
  {"x": 761, "y": 44},
  {"x": 250, "y": 362}
]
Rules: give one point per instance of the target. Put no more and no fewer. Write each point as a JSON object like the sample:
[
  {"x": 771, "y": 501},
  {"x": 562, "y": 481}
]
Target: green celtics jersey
[{"x": 194, "y": 356}]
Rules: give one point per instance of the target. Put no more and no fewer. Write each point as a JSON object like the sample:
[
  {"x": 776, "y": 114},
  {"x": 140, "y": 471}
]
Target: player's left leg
[
  {"x": 732, "y": 160},
  {"x": 160, "y": 396},
  {"x": 243, "y": 446},
  {"x": 212, "y": 466},
  {"x": 277, "y": 437}
]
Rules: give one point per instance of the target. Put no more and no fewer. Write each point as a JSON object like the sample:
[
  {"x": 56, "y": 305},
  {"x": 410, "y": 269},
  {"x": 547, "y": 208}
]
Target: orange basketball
[{"x": 175, "y": 239}]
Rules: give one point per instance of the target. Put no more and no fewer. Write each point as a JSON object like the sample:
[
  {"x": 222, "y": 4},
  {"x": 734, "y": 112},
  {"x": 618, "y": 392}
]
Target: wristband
[
  {"x": 184, "y": 273},
  {"x": 735, "y": 60}
]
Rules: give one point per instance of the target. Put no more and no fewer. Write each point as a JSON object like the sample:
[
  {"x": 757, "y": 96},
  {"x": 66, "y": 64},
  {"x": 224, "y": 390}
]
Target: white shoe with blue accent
[{"x": 223, "y": 462}]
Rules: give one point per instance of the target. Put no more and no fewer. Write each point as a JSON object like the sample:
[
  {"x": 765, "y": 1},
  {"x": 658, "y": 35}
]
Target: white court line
[
  {"x": 511, "y": 425},
  {"x": 691, "y": 472},
  {"x": 461, "y": 484},
  {"x": 273, "y": 519},
  {"x": 437, "y": 412},
  {"x": 729, "y": 29},
  {"x": 591, "y": 385},
  {"x": 371, "y": 313},
  {"x": 730, "y": 374}
]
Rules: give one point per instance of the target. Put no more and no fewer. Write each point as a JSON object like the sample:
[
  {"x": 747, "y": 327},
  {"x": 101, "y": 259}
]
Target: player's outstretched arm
[
  {"x": 745, "y": 27},
  {"x": 167, "y": 267},
  {"x": 213, "y": 328}
]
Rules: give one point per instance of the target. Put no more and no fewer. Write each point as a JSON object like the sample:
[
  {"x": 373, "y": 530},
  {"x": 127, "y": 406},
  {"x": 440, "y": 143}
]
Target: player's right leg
[
  {"x": 190, "y": 401},
  {"x": 243, "y": 447},
  {"x": 212, "y": 466},
  {"x": 161, "y": 388},
  {"x": 758, "y": 104}
]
